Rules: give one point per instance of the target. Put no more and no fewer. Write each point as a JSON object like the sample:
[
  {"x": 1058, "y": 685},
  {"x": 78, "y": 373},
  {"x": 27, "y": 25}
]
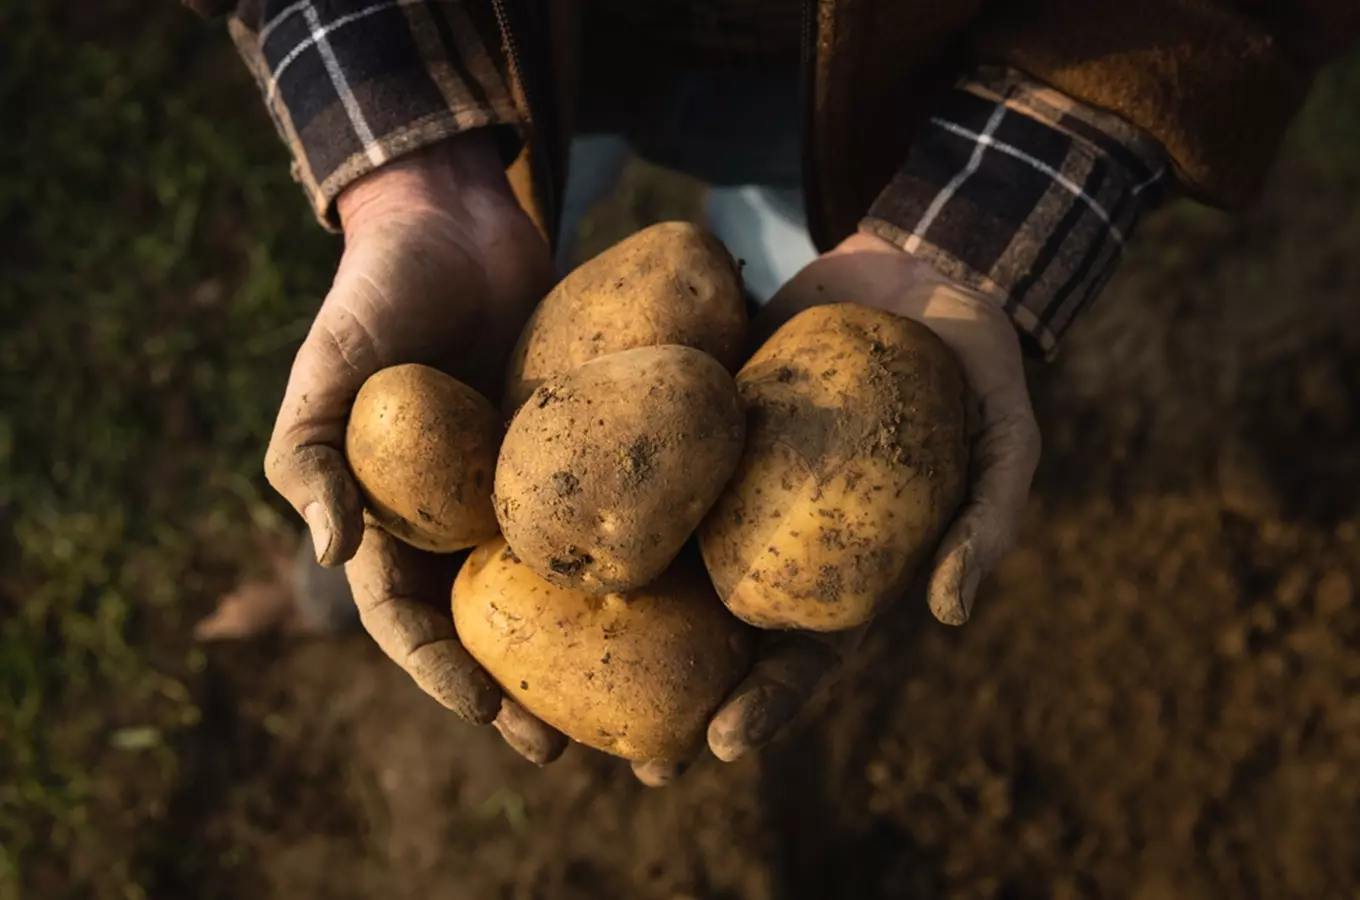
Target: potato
[
  {"x": 856, "y": 461},
  {"x": 672, "y": 283},
  {"x": 607, "y": 470},
  {"x": 637, "y": 675},
  {"x": 422, "y": 446}
]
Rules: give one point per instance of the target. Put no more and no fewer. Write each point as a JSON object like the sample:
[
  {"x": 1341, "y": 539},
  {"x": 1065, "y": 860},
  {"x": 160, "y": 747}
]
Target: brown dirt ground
[{"x": 1157, "y": 697}]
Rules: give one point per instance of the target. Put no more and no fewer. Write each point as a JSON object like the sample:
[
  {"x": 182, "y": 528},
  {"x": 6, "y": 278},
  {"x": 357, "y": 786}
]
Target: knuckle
[
  {"x": 278, "y": 464},
  {"x": 1006, "y": 535},
  {"x": 1012, "y": 436},
  {"x": 349, "y": 340},
  {"x": 979, "y": 519},
  {"x": 994, "y": 529},
  {"x": 352, "y": 351},
  {"x": 426, "y": 651},
  {"x": 1029, "y": 443}
]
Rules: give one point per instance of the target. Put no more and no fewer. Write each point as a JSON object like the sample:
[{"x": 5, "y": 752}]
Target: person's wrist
[
  {"x": 865, "y": 242},
  {"x": 461, "y": 178},
  {"x": 904, "y": 284},
  {"x": 888, "y": 260}
]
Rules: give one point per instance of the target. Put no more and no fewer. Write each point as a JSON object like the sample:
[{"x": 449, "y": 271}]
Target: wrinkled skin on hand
[
  {"x": 793, "y": 666},
  {"x": 869, "y": 270},
  {"x": 440, "y": 267}
]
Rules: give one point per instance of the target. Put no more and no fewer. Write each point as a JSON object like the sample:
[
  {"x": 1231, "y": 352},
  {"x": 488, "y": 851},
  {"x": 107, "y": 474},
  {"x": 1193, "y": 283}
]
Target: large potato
[
  {"x": 672, "y": 283},
  {"x": 637, "y": 675},
  {"x": 422, "y": 446},
  {"x": 607, "y": 470},
  {"x": 856, "y": 460}
]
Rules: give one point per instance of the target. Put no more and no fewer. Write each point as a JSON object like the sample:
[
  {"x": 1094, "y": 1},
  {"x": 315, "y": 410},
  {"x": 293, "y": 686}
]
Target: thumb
[
  {"x": 315, "y": 480},
  {"x": 305, "y": 461},
  {"x": 791, "y": 666},
  {"x": 1006, "y": 454},
  {"x": 1005, "y": 451}
]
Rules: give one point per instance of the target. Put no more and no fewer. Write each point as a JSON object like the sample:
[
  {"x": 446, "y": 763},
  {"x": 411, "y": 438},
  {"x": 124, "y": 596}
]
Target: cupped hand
[
  {"x": 440, "y": 267},
  {"x": 792, "y": 666},
  {"x": 868, "y": 270}
]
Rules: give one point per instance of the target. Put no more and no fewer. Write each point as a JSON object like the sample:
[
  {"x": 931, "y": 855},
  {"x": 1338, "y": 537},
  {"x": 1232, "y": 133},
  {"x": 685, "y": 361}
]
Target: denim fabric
[{"x": 736, "y": 130}]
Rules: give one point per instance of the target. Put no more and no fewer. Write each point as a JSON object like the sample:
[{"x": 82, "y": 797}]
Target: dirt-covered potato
[
  {"x": 672, "y": 283},
  {"x": 607, "y": 470},
  {"x": 422, "y": 446},
  {"x": 856, "y": 461},
  {"x": 637, "y": 675}
]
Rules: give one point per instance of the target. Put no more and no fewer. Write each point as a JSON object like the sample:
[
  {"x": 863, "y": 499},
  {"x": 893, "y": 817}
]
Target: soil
[{"x": 1158, "y": 695}]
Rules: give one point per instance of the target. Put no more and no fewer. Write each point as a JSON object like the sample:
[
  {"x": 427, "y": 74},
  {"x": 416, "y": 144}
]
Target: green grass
[
  {"x": 1326, "y": 134},
  {"x": 158, "y": 267}
]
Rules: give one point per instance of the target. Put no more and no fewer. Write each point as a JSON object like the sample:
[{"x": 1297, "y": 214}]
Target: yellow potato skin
[
  {"x": 422, "y": 446},
  {"x": 670, "y": 283},
  {"x": 607, "y": 470},
  {"x": 856, "y": 460},
  {"x": 637, "y": 675}
]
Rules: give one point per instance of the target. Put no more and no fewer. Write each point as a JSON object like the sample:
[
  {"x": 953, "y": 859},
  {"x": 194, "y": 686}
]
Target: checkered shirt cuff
[
  {"x": 1024, "y": 195},
  {"x": 353, "y": 84}
]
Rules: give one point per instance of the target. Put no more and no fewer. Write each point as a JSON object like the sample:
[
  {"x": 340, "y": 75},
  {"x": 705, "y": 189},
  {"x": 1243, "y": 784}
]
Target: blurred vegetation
[
  {"x": 157, "y": 268},
  {"x": 1326, "y": 133}
]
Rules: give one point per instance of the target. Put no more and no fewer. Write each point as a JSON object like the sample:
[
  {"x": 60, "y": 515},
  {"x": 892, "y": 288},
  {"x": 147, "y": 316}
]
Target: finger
[
  {"x": 789, "y": 669},
  {"x": 1006, "y": 453},
  {"x": 251, "y": 609},
  {"x": 305, "y": 461},
  {"x": 659, "y": 773},
  {"x": 403, "y": 600},
  {"x": 528, "y": 735}
]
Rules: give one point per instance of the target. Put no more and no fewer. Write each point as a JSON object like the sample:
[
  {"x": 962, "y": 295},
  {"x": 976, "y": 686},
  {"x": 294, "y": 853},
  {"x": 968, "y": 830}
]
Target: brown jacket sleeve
[{"x": 1216, "y": 82}]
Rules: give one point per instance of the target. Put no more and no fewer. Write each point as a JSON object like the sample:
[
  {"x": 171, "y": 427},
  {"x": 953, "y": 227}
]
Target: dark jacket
[{"x": 1014, "y": 145}]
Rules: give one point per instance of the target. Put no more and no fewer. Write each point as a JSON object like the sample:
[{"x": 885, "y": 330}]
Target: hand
[
  {"x": 865, "y": 269},
  {"x": 440, "y": 267},
  {"x": 869, "y": 270}
]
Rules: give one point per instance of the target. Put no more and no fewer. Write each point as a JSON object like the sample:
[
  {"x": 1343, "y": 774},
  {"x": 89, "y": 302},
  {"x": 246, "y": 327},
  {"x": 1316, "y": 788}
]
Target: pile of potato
[{"x": 653, "y": 498}]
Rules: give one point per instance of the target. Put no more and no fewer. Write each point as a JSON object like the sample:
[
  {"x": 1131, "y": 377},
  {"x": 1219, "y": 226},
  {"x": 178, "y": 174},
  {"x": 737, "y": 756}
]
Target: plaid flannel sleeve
[
  {"x": 1024, "y": 195},
  {"x": 352, "y": 84}
]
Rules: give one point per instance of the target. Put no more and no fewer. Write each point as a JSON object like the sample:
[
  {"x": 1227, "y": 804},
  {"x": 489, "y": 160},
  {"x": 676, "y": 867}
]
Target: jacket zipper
[{"x": 544, "y": 162}]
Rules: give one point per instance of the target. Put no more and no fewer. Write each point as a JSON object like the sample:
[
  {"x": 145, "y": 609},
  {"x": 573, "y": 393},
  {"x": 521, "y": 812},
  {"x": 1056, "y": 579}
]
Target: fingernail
[
  {"x": 315, "y": 516},
  {"x": 967, "y": 584},
  {"x": 765, "y": 714},
  {"x": 659, "y": 774},
  {"x": 950, "y": 599}
]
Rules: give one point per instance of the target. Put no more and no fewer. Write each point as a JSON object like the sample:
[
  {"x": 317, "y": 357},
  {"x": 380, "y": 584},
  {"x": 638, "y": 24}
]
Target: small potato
[
  {"x": 637, "y": 675},
  {"x": 672, "y": 283},
  {"x": 856, "y": 461},
  {"x": 422, "y": 446},
  {"x": 607, "y": 470}
]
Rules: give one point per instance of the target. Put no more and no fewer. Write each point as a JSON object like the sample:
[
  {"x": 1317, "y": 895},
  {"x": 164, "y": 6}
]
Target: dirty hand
[
  {"x": 869, "y": 270},
  {"x": 441, "y": 267}
]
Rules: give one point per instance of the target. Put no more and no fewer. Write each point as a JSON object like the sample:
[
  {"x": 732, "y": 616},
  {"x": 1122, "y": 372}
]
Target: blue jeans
[{"x": 738, "y": 131}]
